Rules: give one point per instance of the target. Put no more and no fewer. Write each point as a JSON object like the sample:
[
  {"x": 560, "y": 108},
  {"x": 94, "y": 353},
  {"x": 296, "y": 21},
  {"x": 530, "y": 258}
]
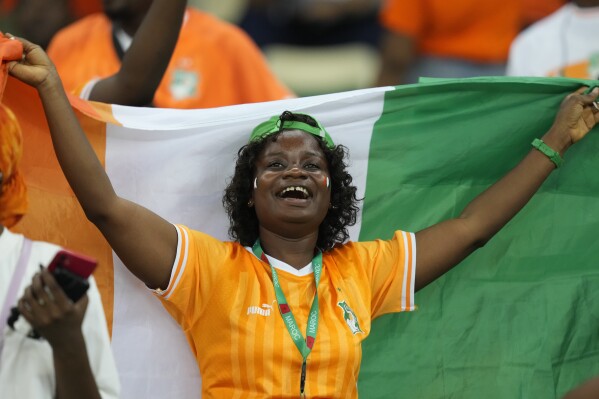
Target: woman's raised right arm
[{"x": 144, "y": 241}]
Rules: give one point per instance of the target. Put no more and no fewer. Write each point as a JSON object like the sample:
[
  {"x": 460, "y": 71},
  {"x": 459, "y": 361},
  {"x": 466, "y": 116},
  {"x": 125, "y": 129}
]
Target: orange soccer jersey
[
  {"x": 223, "y": 298},
  {"x": 475, "y": 30},
  {"x": 214, "y": 63}
]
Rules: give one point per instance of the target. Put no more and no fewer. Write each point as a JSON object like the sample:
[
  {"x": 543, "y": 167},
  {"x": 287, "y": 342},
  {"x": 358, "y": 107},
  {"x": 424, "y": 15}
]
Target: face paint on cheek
[{"x": 326, "y": 182}]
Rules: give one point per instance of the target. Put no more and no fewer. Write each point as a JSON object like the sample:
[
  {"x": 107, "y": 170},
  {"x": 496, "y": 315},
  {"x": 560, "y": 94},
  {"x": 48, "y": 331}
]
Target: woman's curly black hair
[{"x": 341, "y": 214}]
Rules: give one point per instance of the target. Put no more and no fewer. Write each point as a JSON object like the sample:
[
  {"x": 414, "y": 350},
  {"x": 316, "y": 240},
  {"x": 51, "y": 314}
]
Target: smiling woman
[
  {"x": 290, "y": 202},
  {"x": 316, "y": 165}
]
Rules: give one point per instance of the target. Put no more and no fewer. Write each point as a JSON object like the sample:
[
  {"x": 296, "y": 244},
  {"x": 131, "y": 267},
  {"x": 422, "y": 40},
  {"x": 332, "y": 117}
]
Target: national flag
[{"x": 518, "y": 319}]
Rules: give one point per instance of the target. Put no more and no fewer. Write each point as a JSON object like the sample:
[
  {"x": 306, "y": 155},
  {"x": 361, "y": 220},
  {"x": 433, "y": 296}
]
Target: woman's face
[{"x": 292, "y": 195}]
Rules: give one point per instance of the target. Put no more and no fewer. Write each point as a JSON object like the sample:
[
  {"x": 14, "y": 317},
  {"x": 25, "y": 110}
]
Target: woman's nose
[{"x": 295, "y": 171}]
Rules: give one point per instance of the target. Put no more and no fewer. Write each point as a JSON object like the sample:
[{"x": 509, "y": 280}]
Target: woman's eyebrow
[{"x": 314, "y": 154}]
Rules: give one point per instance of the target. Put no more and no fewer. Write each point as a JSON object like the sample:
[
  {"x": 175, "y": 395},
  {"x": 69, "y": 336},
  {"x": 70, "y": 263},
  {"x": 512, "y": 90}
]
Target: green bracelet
[{"x": 548, "y": 151}]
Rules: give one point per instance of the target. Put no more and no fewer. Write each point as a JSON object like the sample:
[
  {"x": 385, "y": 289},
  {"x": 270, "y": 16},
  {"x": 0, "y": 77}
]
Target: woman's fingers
[
  {"x": 590, "y": 98},
  {"x": 27, "y": 45},
  {"x": 53, "y": 289},
  {"x": 35, "y": 66},
  {"x": 32, "y": 309},
  {"x": 44, "y": 302}
]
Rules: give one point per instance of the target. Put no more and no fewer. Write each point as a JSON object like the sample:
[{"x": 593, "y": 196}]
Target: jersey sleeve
[
  {"x": 193, "y": 275},
  {"x": 391, "y": 270}
]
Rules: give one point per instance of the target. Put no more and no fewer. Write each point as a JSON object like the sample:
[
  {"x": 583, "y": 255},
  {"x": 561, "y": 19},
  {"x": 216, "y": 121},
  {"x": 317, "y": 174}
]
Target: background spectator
[
  {"x": 562, "y": 44},
  {"x": 317, "y": 46},
  {"x": 214, "y": 63},
  {"x": 312, "y": 22},
  {"x": 143, "y": 65},
  {"x": 446, "y": 39}
]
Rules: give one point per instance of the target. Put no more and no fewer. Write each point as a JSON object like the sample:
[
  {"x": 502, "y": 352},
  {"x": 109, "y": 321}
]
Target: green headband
[{"x": 275, "y": 125}]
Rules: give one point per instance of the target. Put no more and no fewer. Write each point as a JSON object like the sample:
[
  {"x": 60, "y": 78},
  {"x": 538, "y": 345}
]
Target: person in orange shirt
[
  {"x": 136, "y": 79},
  {"x": 436, "y": 38},
  {"x": 214, "y": 63},
  {"x": 311, "y": 294}
]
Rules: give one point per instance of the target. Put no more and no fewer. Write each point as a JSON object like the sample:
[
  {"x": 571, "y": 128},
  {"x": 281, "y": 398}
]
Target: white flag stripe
[
  {"x": 177, "y": 163},
  {"x": 177, "y": 119}
]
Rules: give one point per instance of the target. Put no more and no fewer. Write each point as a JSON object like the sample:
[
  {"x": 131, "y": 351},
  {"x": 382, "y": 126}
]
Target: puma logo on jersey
[{"x": 265, "y": 310}]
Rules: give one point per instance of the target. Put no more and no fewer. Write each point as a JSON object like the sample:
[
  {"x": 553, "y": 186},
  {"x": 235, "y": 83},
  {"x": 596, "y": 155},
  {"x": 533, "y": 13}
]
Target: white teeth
[{"x": 295, "y": 188}]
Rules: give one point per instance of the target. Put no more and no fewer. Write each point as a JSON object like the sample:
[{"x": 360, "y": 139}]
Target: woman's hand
[
  {"x": 50, "y": 312},
  {"x": 35, "y": 67},
  {"x": 577, "y": 115},
  {"x": 56, "y": 318}
]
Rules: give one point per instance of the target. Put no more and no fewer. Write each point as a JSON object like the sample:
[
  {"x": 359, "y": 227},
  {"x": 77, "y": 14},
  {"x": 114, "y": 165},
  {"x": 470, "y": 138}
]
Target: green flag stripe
[{"x": 517, "y": 319}]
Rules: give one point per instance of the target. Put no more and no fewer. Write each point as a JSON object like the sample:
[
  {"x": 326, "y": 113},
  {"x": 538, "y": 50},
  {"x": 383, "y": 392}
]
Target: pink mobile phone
[
  {"x": 81, "y": 265},
  {"x": 71, "y": 271}
]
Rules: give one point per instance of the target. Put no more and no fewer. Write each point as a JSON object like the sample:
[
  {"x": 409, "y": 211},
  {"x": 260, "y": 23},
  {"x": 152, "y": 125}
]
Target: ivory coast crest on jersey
[{"x": 350, "y": 317}]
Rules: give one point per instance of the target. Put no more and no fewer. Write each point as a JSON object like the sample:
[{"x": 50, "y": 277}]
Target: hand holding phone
[{"x": 71, "y": 271}]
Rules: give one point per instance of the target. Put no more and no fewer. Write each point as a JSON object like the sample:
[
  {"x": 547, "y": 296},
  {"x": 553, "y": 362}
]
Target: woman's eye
[
  {"x": 274, "y": 164},
  {"x": 312, "y": 166}
]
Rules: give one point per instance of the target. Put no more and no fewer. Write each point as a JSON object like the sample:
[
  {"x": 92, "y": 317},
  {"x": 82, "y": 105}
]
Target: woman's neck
[{"x": 296, "y": 252}]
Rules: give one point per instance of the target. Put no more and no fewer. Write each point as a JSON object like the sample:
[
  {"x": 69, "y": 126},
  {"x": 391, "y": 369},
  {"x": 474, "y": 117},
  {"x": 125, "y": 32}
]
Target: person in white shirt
[
  {"x": 73, "y": 358},
  {"x": 562, "y": 44}
]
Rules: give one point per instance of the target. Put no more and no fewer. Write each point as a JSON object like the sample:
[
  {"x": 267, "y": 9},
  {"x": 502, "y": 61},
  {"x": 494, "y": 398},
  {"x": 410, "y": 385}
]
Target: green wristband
[{"x": 548, "y": 151}]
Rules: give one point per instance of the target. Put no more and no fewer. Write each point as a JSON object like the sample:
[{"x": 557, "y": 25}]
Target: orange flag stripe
[{"x": 54, "y": 214}]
